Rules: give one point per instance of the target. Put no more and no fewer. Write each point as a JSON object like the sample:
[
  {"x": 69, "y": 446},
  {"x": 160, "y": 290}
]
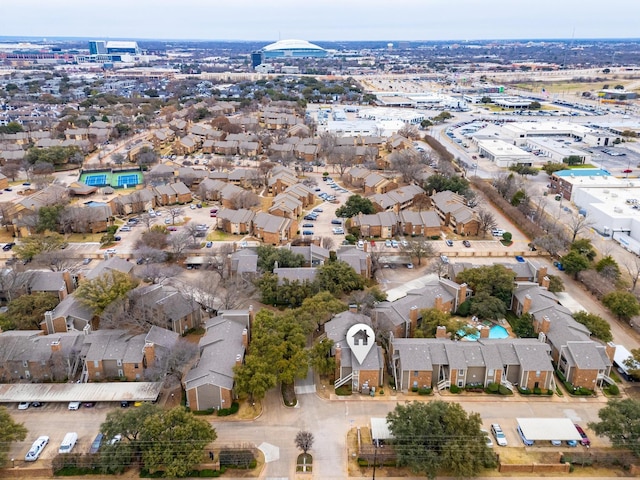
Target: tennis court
[
  {"x": 96, "y": 180},
  {"x": 128, "y": 180}
]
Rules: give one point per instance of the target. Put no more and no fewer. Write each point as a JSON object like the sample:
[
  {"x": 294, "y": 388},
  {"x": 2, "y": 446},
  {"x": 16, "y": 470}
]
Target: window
[
  {"x": 25, "y": 363},
  {"x": 96, "y": 363},
  {"x": 415, "y": 373},
  {"x": 461, "y": 373},
  {"x": 537, "y": 373},
  {"x": 491, "y": 373},
  {"x": 119, "y": 362}
]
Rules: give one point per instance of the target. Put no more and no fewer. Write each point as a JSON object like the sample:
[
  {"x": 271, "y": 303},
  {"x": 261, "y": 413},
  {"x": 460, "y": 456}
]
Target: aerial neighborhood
[{"x": 230, "y": 237}]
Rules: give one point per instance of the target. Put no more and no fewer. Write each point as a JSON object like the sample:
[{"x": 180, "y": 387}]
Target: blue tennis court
[
  {"x": 127, "y": 180},
  {"x": 96, "y": 180}
]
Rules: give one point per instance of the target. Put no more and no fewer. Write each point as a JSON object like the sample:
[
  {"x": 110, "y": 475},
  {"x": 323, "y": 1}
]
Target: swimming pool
[{"x": 496, "y": 331}]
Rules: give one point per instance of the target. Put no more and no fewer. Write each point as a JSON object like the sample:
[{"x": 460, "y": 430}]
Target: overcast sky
[{"x": 330, "y": 20}]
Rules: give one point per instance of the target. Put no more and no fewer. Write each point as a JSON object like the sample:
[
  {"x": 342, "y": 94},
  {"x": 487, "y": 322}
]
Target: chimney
[
  {"x": 545, "y": 282},
  {"x": 438, "y": 302},
  {"x": 66, "y": 275},
  {"x": 353, "y": 308},
  {"x": 251, "y": 317},
  {"x": 413, "y": 320},
  {"x": 526, "y": 304},
  {"x": 542, "y": 273},
  {"x": 441, "y": 331},
  {"x": 366, "y": 246},
  {"x": 462, "y": 294},
  {"x": 149, "y": 352},
  {"x": 245, "y": 338},
  {"x": 484, "y": 331},
  {"x": 55, "y": 345},
  {"x": 610, "y": 349},
  {"x": 545, "y": 325},
  {"x": 338, "y": 356},
  {"x": 238, "y": 359}
]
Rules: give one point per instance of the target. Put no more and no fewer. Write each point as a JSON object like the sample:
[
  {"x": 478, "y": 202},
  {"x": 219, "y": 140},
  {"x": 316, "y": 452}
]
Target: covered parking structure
[
  {"x": 380, "y": 432},
  {"x": 539, "y": 429},
  {"x": 80, "y": 392}
]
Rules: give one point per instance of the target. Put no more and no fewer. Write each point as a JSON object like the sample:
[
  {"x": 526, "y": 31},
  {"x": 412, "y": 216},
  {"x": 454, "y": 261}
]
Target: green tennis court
[{"x": 123, "y": 179}]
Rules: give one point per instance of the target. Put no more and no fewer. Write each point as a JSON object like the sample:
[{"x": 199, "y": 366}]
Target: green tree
[
  {"x": 574, "y": 263},
  {"x": 555, "y": 284},
  {"x": 439, "y": 436},
  {"x": 255, "y": 377},
  {"x": 608, "y": 268},
  {"x": 317, "y": 310},
  {"x": 432, "y": 318},
  {"x": 584, "y": 247},
  {"x": 338, "y": 278},
  {"x": 523, "y": 170},
  {"x": 495, "y": 280},
  {"x": 27, "y": 311},
  {"x": 56, "y": 155},
  {"x": 354, "y": 205},
  {"x": 522, "y": 326},
  {"x": 573, "y": 160},
  {"x": 174, "y": 441},
  {"x": 441, "y": 183},
  {"x": 484, "y": 305},
  {"x": 34, "y": 245},
  {"x": 268, "y": 255},
  {"x": 623, "y": 304},
  {"x": 550, "y": 168},
  {"x": 49, "y": 218},
  {"x": 597, "y": 325},
  {"x": 10, "y": 432},
  {"x": 268, "y": 286},
  {"x": 11, "y": 127},
  {"x": 100, "y": 292},
  {"x": 620, "y": 422},
  {"x": 320, "y": 357},
  {"x": 535, "y": 106}
]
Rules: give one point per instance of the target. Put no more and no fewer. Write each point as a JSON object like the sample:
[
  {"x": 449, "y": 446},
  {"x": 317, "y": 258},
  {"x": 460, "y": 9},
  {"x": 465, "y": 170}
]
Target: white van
[{"x": 68, "y": 442}]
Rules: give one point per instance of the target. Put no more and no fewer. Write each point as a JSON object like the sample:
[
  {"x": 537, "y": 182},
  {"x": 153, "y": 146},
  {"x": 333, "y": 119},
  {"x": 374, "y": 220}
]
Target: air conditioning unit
[
  {"x": 605, "y": 191},
  {"x": 614, "y": 195}
]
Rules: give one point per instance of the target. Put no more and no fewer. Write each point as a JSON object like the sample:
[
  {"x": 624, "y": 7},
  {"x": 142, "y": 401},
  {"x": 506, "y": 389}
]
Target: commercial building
[{"x": 504, "y": 154}]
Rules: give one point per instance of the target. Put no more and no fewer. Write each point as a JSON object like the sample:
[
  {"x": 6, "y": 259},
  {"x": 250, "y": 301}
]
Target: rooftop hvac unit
[
  {"x": 617, "y": 209},
  {"x": 614, "y": 195},
  {"x": 605, "y": 191}
]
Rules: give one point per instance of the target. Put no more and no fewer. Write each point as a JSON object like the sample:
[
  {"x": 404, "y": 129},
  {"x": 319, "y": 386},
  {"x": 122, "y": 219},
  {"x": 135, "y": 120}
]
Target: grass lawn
[
  {"x": 220, "y": 236},
  {"x": 586, "y": 165},
  {"x": 569, "y": 86}
]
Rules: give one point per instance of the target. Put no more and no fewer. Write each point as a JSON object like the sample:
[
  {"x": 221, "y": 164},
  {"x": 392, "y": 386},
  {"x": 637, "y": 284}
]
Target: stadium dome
[{"x": 292, "y": 49}]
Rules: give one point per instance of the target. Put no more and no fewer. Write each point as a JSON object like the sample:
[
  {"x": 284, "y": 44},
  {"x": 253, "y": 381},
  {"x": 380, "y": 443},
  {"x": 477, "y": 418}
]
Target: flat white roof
[
  {"x": 380, "y": 429},
  {"x": 548, "y": 429},
  {"x": 500, "y": 148},
  {"x": 80, "y": 392}
]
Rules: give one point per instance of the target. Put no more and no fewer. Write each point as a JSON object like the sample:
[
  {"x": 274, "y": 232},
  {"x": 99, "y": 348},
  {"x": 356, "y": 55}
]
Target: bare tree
[
  {"x": 150, "y": 254},
  {"x": 179, "y": 242},
  {"x": 327, "y": 242},
  {"x": 419, "y": 248},
  {"x": 577, "y": 224},
  {"x": 244, "y": 199},
  {"x": 632, "y": 265},
  {"x": 304, "y": 441},
  {"x": 193, "y": 231},
  {"x": 159, "y": 272},
  {"x": 342, "y": 158},
  {"x": 11, "y": 283},
  {"x": 118, "y": 159},
  {"x": 56, "y": 260},
  {"x": 11, "y": 170},
  {"x": 440, "y": 267},
  {"x": 264, "y": 169},
  {"x": 406, "y": 163},
  {"x": 328, "y": 142},
  {"x": 175, "y": 212},
  {"x": 220, "y": 164},
  {"x": 487, "y": 221},
  {"x": 147, "y": 220},
  {"x": 179, "y": 359},
  {"x": 409, "y": 131},
  {"x": 551, "y": 244}
]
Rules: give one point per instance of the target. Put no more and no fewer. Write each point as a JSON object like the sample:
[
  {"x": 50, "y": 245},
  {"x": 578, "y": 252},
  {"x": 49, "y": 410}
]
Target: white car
[
  {"x": 499, "y": 435},
  {"x": 338, "y": 231},
  {"x": 487, "y": 438},
  {"x": 74, "y": 405},
  {"x": 23, "y": 405},
  {"x": 36, "y": 449}
]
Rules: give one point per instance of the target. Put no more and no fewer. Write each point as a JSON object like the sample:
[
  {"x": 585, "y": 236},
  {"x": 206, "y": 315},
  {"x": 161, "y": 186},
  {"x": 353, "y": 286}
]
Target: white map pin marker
[{"x": 360, "y": 339}]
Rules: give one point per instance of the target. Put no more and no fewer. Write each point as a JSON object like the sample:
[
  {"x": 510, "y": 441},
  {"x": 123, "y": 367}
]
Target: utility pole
[{"x": 375, "y": 458}]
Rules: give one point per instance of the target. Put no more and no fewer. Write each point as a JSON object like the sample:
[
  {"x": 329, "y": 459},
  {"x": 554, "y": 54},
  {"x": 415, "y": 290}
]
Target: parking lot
[{"x": 55, "y": 420}]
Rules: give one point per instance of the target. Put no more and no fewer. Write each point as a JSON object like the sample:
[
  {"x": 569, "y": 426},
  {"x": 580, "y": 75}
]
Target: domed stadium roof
[{"x": 291, "y": 45}]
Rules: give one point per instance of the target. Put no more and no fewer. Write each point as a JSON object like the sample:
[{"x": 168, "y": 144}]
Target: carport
[
  {"x": 380, "y": 430},
  {"x": 536, "y": 429},
  {"x": 80, "y": 392}
]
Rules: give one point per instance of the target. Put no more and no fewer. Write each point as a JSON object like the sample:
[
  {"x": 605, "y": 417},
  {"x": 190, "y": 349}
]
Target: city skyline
[{"x": 331, "y": 20}]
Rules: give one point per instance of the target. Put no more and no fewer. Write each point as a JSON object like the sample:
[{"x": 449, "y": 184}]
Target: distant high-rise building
[
  {"x": 97, "y": 47},
  {"x": 123, "y": 47}
]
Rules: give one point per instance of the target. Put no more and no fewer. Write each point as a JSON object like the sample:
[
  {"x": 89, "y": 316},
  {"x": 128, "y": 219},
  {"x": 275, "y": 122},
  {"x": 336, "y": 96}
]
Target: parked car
[
  {"x": 36, "y": 449},
  {"x": 124, "y": 404},
  {"x": 318, "y": 210},
  {"x": 96, "y": 444},
  {"x": 387, "y": 243},
  {"x": 444, "y": 259},
  {"x": 172, "y": 229},
  {"x": 23, "y": 405},
  {"x": 209, "y": 244},
  {"x": 525, "y": 440},
  {"x": 336, "y": 221},
  {"x": 410, "y": 265},
  {"x": 501, "y": 438},
  {"x": 394, "y": 244},
  {"x": 74, "y": 406},
  {"x": 307, "y": 232},
  {"x": 449, "y": 243},
  {"x": 487, "y": 438},
  {"x": 308, "y": 225},
  {"x": 37, "y": 404},
  {"x": 125, "y": 228},
  {"x": 519, "y": 258},
  {"x": 338, "y": 231},
  {"x": 87, "y": 261},
  {"x": 466, "y": 243},
  {"x": 89, "y": 404},
  {"x": 8, "y": 246},
  {"x": 585, "y": 440}
]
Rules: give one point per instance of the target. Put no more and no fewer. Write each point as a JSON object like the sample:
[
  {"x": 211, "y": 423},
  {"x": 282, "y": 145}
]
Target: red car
[
  {"x": 584, "y": 439},
  {"x": 627, "y": 171}
]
